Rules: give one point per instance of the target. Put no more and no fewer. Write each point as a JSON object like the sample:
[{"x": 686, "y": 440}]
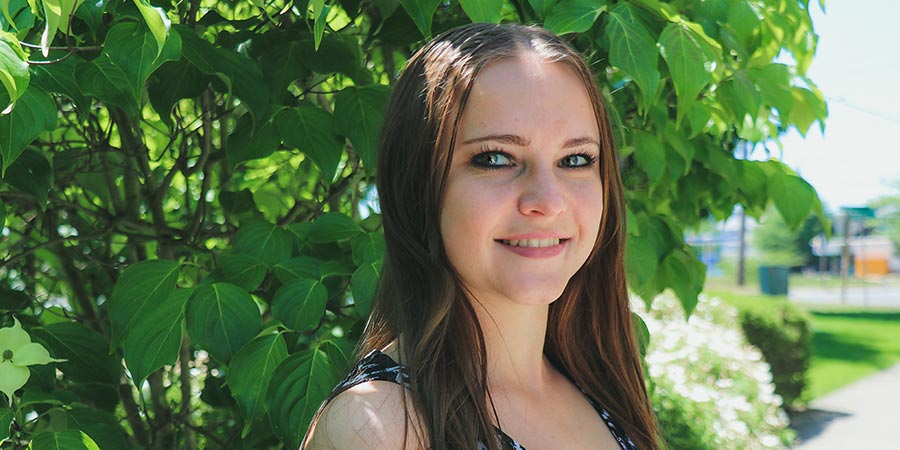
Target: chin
[{"x": 542, "y": 294}]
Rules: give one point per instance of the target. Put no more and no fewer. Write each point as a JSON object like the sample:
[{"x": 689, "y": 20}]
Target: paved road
[
  {"x": 884, "y": 296},
  {"x": 862, "y": 415}
]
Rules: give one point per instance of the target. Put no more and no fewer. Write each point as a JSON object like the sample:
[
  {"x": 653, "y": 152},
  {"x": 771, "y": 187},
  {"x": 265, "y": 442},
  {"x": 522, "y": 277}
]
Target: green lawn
[{"x": 848, "y": 343}]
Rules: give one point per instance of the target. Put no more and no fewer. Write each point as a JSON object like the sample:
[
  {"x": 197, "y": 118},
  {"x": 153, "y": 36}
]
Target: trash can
[{"x": 773, "y": 280}]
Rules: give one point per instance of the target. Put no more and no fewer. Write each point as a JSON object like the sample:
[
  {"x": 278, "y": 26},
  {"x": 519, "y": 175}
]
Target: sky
[{"x": 857, "y": 67}]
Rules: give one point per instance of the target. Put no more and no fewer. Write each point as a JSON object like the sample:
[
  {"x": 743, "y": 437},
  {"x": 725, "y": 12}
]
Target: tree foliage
[{"x": 187, "y": 205}]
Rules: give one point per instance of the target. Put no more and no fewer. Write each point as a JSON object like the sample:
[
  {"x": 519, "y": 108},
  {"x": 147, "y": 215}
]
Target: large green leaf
[
  {"x": 541, "y": 7},
  {"x": 282, "y": 64},
  {"x": 103, "y": 427},
  {"x": 263, "y": 240},
  {"x": 59, "y": 78},
  {"x": 367, "y": 248},
  {"x": 92, "y": 14},
  {"x": 359, "y": 114},
  {"x": 482, "y": 10},
  {"x": 56, "y": 17},
  {"x": 31, "y": 173},
  {"x": 363, "y": 284},
  {"x": 574, "y": 16},
  {"x": 642, "y": 261},
  {"x": 34, "y": 113},
  {"x": 311, "y": 130},
  {"x": 155, "y": 340},
  {"x": 13, "y": 69},
  {"x": 105, "y": 81},
  {"x": 63, "y": 440},
  {"x": 251, "y": 141},
  {"x": 156, "y": 21},
  {"x": 633, "y": 50},
  {"x": 650, "y": 155},
  {"x": 300, "y": 384},
  {"x": 422, "y": 12},
  {"x": 793, "y": 197},
  {"x": 135, "y": 51},
  {"x": 774, "y": 82},
  {"x": 241, "y": 76},
  {"x": 300, "y": 304},
  {"x": 2, "y": 214},
  {"x": 249, "y": 374},
  {"x": 239, "y": 269},
  {"x": 692, "y": 57},
  {"x": 333, "y": 227},
  {"x": 741, "y": 96},
  {"x": 138, "y": 290},
  {"x": 299, "y": 267},
  {"x": 686, "y": 274},
  {"x": 84, "y": 351},
  {"x": 808, "y": 107},
  {"x": 753, "y": 181},
  {"x": 336, "y": 53},
  {"x": 172, "y": 82},
  {"x": 221, "y": 318},
  {"x": 6, "y": 418}
]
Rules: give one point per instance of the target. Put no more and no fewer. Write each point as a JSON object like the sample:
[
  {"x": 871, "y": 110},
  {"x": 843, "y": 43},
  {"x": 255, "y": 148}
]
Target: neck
[{"x": 514, "y": 342}]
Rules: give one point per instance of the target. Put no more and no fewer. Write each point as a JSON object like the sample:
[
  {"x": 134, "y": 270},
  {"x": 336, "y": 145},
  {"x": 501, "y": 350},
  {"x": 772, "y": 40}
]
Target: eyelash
[{"x": 591, "y": 159}]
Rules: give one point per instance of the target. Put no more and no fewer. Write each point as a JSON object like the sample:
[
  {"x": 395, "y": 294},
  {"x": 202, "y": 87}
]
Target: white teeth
[{"x": 533, "y": 243}]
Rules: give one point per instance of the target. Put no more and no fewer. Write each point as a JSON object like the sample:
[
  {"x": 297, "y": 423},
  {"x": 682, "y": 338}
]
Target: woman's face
[{"x": 523, "y": 198}]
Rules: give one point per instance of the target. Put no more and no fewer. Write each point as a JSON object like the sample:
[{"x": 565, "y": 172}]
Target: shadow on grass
[
  {"x": 887, "y": 316},
  {"x": 835, "y": 346}
]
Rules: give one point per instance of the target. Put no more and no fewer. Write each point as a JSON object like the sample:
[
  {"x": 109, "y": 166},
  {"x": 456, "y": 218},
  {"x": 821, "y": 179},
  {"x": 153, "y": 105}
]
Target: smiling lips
[{"x": 535, "y": 248}]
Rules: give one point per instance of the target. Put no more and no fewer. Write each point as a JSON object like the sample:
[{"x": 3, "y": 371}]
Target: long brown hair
[{"x": 421, "y": 302}]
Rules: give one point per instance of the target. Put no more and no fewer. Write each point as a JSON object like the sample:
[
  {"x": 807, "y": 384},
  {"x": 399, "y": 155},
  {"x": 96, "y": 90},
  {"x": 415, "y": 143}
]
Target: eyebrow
[{"x": 520, "y": 141}]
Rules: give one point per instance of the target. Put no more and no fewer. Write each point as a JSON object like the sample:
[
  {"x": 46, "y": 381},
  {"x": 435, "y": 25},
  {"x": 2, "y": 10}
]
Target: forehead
[{"x": 528, "y": 96}]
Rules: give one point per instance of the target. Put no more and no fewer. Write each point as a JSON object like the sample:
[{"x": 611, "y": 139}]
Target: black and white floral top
[{"x": 377, "y": 366}]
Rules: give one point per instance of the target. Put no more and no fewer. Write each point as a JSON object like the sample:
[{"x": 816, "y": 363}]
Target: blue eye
[
  {"x": 578, "y": 160},
  {"x": 492, "y": 160}
]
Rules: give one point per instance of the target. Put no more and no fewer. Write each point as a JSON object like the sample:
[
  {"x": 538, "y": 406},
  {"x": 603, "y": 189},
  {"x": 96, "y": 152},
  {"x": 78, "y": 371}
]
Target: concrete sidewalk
[{"x": 862, "y": 415}]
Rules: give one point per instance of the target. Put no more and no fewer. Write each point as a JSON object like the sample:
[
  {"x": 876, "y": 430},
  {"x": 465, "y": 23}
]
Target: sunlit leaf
[
  {"x": 421, "y": 12},
  {"x": 482, "y": 10},
  {"x": 14, "y": 75},
  {"x": 633, "y": 50},
  {"x": 156, "y": 21},
  {"x": 692, "y": 57},
  {"x": 793, "y": 197},
  {"x": 63, "y": 440},
  {"x": 574, "y": 16}
]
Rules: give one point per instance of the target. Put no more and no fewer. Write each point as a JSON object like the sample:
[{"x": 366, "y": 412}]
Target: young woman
[{"x": 501, "y": 320}]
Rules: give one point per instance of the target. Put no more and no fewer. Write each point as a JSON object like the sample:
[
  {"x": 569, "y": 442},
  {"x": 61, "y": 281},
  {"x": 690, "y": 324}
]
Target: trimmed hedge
[{"x": 783, "y": 332}]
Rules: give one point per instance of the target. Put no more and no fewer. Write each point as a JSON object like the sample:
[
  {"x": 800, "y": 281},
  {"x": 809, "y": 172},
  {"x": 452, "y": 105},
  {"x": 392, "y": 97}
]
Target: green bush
[{"x": 783, "y": 333}]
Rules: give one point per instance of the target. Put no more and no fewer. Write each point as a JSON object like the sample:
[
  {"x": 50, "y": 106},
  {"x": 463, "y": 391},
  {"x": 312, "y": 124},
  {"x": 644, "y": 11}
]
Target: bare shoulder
[{"x": 371, "y": 415}]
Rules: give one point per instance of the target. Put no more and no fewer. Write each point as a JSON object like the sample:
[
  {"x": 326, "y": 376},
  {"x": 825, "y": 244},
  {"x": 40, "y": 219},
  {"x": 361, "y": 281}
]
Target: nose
[{"x": 542, "y": 194}]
